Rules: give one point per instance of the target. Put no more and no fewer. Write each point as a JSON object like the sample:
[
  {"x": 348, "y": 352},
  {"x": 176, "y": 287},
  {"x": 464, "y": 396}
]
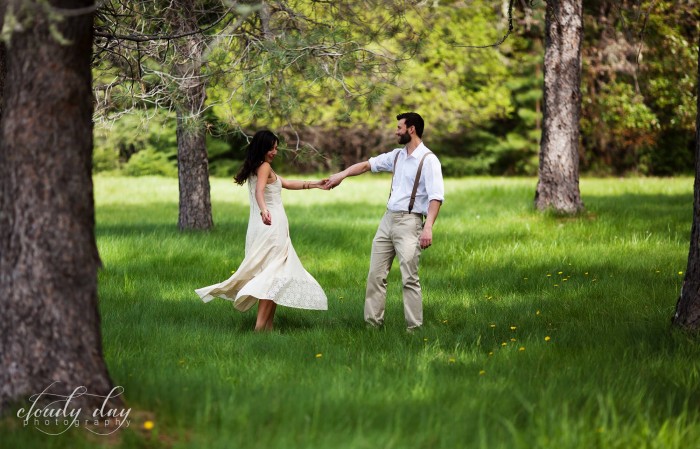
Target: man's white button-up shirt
[{"x": 430, "y": 187}]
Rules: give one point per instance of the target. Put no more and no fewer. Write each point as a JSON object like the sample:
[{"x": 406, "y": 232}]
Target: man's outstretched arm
[{"x": 353, "y": 170}]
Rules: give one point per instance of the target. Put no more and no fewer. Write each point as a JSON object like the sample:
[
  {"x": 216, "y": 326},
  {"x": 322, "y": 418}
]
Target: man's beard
[{"x": 404, "y": 139}]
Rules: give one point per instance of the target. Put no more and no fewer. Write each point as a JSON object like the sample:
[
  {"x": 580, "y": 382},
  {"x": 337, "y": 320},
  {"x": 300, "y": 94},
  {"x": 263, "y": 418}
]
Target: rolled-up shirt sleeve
[
  {"x": 434, "y": 185},
  {"x": 383, "y": 162}
]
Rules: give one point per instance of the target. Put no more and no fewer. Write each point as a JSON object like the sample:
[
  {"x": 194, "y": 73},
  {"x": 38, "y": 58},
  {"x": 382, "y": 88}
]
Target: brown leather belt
[{"x": 404, "y": 212}]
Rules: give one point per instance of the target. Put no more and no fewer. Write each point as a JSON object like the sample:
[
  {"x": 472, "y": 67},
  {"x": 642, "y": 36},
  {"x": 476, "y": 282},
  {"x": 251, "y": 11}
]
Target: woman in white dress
[{"x": 271, "y": 272}]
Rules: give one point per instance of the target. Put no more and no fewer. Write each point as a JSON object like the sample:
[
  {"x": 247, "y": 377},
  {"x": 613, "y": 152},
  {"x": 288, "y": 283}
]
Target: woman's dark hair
[{"x": 263, "y": 141}]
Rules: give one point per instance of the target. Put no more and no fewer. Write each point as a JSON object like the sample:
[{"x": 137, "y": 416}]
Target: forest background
[{"x": 483, "y": 106}]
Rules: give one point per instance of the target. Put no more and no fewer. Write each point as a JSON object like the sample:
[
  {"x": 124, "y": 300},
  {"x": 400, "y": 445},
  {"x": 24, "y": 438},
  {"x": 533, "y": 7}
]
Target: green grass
[{"x": 497, "y": 281}]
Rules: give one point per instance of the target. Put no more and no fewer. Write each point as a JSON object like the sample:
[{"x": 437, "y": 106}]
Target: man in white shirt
[{"x": 417, "y": 192}]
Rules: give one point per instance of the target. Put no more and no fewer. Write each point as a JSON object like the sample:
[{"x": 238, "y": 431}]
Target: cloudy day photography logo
[{"x": 54, "y": 414}]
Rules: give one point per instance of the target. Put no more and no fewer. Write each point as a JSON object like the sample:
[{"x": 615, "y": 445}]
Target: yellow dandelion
[
  {"x": 490, "y": 353},
  {"x": 680, "y": 272},
  {"x": 492, "y": 325},
  {"x": 560, "y": 272},
  {"x": 451, "y": 360},
  {"x": 513, "y": 339},
  {"x": 148, "y": 425},
  {"x": 444, "y": 321},
  {"x": 537, "y": 313},
  {"x": 549, "y": 275},
  {"x": 556, "y": 285},
  {"x": 504, "y": 344},
  {"x": 319, "y": 355},
  {"x": 586, "y": 273},
  {"x": 513, "y": 328},
  {"x": 482, "y": 372},
  {"x": 547, "y": 338},
  {"x": 565, "y": 279},
  {"x": 522, "y": 348}
]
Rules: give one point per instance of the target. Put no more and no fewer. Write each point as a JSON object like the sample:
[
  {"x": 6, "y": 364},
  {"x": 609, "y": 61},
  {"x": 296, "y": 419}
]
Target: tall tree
[
  {"x": 558, "y": 184},
  {"x": 688, "y": 307},
  {"x": 192, "y": 163},
  {"x": 158, "y": 49},
  {"x": 50, "y": 324},
  {"x": 267, "y": 55}
]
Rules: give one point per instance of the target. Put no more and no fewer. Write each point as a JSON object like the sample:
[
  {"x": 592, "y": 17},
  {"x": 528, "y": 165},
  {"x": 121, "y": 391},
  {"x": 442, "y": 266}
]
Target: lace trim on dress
[{"x": 299, "y": 293}]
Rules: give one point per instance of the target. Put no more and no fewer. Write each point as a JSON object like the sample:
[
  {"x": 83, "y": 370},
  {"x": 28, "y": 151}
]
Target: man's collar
[{"x": 418, "y": 152}]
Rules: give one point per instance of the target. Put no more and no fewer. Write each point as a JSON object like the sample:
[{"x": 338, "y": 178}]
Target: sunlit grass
[{"x": 540, "y": 331}]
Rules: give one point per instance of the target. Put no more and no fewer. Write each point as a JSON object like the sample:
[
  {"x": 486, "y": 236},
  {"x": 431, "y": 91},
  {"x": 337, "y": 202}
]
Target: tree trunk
[
  {"x": 50, "y": 323},
  {"x": 193, "y": 173},
  {"x": 688, "y": 307},
  {"x": 193, "y": 166},
  {"x": 3, "y": 61},
  {"x": 558, "y": 185}
]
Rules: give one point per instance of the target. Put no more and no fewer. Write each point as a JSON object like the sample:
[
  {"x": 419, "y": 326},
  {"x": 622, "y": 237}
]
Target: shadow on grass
[
  {"x": 657, "y": 210},
  {"x": 610, "y": 348},
  {"x": 337, "y": 254}
]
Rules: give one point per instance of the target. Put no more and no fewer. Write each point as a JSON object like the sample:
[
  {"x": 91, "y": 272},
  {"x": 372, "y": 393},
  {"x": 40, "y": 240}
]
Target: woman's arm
[
  {"x": 263, "y": 173},
  {"x": 302, "y": 185}
]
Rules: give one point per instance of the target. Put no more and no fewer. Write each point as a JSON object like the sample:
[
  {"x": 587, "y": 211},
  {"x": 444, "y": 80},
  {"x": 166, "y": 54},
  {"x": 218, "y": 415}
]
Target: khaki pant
[{"x": 397, "y": 235}]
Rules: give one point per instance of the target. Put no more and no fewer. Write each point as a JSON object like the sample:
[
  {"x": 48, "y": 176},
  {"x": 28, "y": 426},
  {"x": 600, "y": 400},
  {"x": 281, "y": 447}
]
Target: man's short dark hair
[{"x": 413, "y": 119}]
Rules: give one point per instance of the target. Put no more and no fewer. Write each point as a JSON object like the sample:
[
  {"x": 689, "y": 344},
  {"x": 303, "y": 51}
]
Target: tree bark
[
  {"x": 3, "y": 59},
  {"x": 193, "y": 166},
  {"x": 687, "y": 314},
  {"x": 558, "y": 184},
  {"x": 50, "y": 323}
]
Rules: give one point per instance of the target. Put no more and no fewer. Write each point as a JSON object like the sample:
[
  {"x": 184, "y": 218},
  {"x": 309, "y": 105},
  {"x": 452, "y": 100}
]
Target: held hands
[
  {"x": 266, "y": 217},
  {"x": 333, "y": 181}
]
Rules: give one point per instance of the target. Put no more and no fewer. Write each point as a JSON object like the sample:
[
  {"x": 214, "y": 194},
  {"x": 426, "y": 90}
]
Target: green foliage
[
  {"x": 620, "y": 118},
  {"x": 105, "y": 159},
  {"x": 149, "y": 162},
  {"x": 455, "y": 167},
  {"x": 144, "y": 143},
  {"x": 673, "y": 154},
  {"x": 669, "y": 83},
  {"x": 454, "y": 88},
  {"x": 222, "y": 163},
  {"x": 512, "y": 143},
  {"x": 319, "y": 63},
  {"x": 335, "y": 74},
  {"x": 639, "y": 85},
  {"x": 140, "y": 143}
]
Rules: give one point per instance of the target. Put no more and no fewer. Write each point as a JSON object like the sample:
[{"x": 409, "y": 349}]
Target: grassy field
[{"x": 540, "y": 331}]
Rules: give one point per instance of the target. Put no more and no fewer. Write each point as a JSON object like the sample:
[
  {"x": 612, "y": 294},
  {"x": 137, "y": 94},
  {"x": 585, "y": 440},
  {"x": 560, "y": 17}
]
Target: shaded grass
[{"x": 498, "y": 280}]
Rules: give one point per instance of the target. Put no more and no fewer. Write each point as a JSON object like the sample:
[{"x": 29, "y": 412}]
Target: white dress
[{"x": 271, "y": 268}]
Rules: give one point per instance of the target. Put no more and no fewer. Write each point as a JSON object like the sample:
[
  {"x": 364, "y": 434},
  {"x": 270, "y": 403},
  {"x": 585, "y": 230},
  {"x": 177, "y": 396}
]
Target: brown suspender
[
  {"x": 415, "y": 183},
  {"x": 393, "y": 172}
]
